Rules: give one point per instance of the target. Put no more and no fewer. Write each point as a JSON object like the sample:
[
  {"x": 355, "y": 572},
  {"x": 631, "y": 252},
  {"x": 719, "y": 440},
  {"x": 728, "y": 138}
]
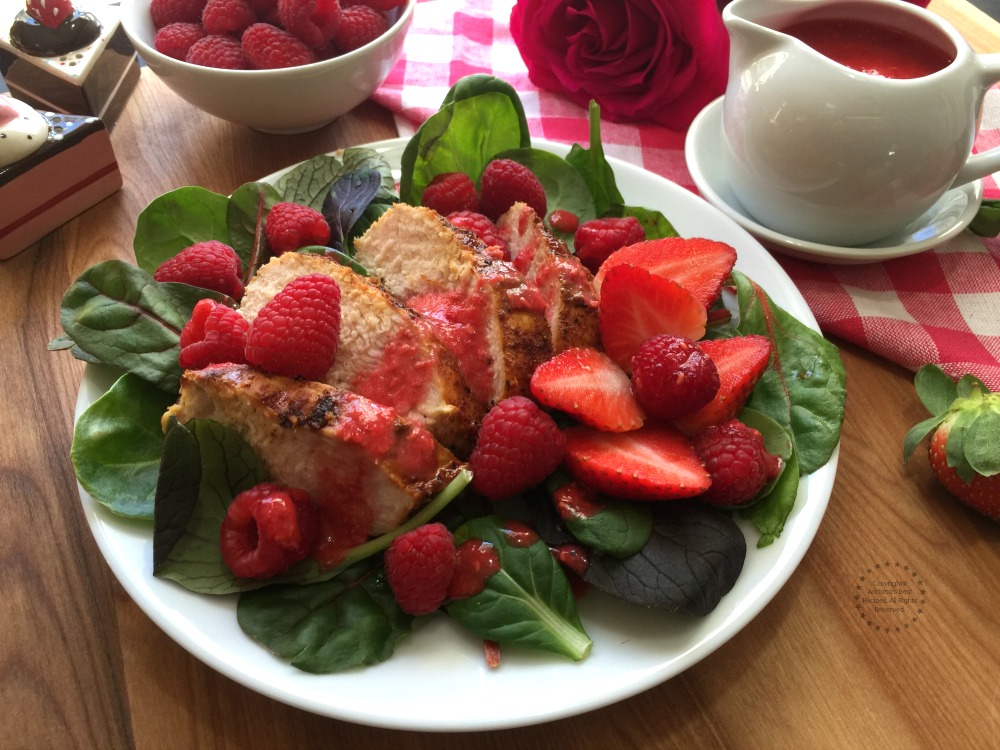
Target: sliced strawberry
[
  {"x": 741, "y": 362},
  {"x": 636, "y": 305},
  {"x": 588, "y": 385},
  {"x": 699, "y": 265},
  {"x": 653, "y": 463}
]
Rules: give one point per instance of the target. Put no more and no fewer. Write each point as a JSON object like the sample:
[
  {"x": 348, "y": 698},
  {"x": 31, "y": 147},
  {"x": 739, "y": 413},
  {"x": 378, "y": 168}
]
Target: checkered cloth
[{"x": 940, "y": 306}]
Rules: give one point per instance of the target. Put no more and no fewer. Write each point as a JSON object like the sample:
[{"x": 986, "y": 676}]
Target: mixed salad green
[{"x": 181, "y": 480}]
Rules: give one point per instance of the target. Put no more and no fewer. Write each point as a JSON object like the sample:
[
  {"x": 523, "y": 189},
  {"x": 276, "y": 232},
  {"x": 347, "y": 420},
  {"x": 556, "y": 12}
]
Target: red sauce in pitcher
[{"x": 872, "y": 48}]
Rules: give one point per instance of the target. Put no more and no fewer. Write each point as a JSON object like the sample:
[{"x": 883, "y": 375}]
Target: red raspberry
[
  {"x": 596, "y": 239},
  {"x": 313, "y": 21},
  {"x": 267, "y": 529},
  {"x": 564, "y": 221},
  {"x": 297, "y": 332},
  {"x": 175, "y": 39},
  {"x": 737, "y": 461},
  {"x": 483, "y": 228},
  {"x": 214, "y": 334},
  {"x": 216, "y": 51},
  {"x": 450, "y": 192},
  {"x": 175, "y": 11},
  {"x": 359, "y": 25},
  {"x": 49, "y": 13},
  {"x": 504, "y": 183},
  {"x": 267, "y": 47},
  {"x": 672, "y": 376},
  {"x": 290, "y": 226},
  {"x": 227, "y": 16},
  {"x": 210, "y": 265},
  {"x": 518, "y": 446},
  {"x": 419, "y": 566},
  {"x": 264, "y": 8},
  {"x": 376, "y": 4}
]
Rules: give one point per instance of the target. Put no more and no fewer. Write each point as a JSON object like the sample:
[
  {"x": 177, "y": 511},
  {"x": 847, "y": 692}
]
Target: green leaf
[
  {"x": 654, "y": 223},
  {"x": 594, "y": 167},
  {"x": 245, "y": 215},
  {"x": 769, "y": 514},
  {"x": 117, "y": 444},
  {"x": 918, "y": 432},
  {"x": 350, "y": 621},
  {"x": 119, "y": 315},
  {"x": 177, "y": 220},
  {"x": 986, "y": 222},
  {"x": 605, "y": 525},
  {"x": 804, "y": 388},
  {"x": 982, "y": 444},
  {"x": 528, "y": 602},
  {"x": 935, "y": 389},
  {"x": 309, "y": 182}
]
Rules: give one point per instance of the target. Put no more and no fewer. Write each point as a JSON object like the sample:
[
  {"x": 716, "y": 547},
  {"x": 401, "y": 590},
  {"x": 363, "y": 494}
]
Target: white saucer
[{"x": 942, "y": 221}]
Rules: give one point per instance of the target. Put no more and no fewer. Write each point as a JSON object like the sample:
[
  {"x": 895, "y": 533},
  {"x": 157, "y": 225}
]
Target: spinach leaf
[
  {"x": 594, "y": 167},
  {"x": 176, "y": 220},
  {"x": 245, "y": 215},
  {"x": 528, "y": 602},
  {"x": 203, "y": 467},
  {"x": 118, "y": 314},
  {"x": 692, "y": 559},
  {"x": 607, "y": 526},
  {"x": 769, "y": 513},
  {"x": 310, "y": 181},
  {"x": 804, "y": 388},
  {"x": 480, "y": 117},
  {"x": 654, "y": 223},
  {"x": 350, "y": 621},
  {"x": 117, "y": 443}
]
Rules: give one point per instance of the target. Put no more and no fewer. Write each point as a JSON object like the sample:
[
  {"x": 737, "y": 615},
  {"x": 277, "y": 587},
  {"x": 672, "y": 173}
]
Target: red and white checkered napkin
[{"x": 940, "y": 306}]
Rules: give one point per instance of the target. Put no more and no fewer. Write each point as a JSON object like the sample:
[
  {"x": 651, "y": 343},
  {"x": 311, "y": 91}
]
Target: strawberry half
[
  {"x": 588, "y": 385},
  {"x": 699, "y": 265},
  {"x": 964, "y": 447},
  {"x": 636, "y": 305},
  {"x": 740, "y": 362},
  {"x": 655, "y": 462}
]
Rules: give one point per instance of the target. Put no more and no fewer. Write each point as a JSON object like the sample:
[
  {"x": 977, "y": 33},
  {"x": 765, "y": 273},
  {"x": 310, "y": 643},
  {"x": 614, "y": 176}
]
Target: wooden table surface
[{"x": 82, "y": 667}]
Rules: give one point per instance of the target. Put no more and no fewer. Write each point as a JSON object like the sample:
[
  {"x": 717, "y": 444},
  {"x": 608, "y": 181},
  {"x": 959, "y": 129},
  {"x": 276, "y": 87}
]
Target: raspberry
[
  {"x": 596, "y": 239},
  {"x": 359, "y": 25},
  {"x": 267, "y": 47},
  {"x": 290, "y": 226},
  {"x": 419, "y": 566},
  {"x": 175, "y": 39},
  {"x": 175, "y": 11},
  {"x": 484, "y": 229},
  {"x": 518, "y": 446},
  {"x": 313, "y": 21},
  {"x": 49, "y": 13},
  {"x": 214, "y": 334},
  {"x": 564, "y": 221},
  {"x": 450, "y": 192},
  {"x": 227, "y": 16},
  {"x": 210, "y": 265},
  {"x": 267, "y": 529},
  {"x": 504, "y": 183},
  {"x": 376, "y": 4},
  {"x": 216, "y": 51},
  {"x": 737, "y": 461},
  {"x": 672, "y": 376},
  {"x": 297, "y": 332}
]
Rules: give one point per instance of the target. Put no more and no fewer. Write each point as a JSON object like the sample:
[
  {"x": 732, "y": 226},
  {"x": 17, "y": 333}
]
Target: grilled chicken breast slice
[
  {"x": 488, "y": 315},
  {"x": 387, "y": 353},
  {"x": 571, "y": 303},
  {"x": 365, "y": 467}
]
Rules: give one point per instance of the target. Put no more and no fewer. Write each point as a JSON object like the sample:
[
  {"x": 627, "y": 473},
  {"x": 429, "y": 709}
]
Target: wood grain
[{"x": 83, "y": 667}]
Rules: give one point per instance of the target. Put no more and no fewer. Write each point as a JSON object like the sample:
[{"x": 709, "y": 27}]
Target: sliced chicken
[
  {"x": 387, "y": 353},
  {"x": 488, "y": 315},
  {"x": 564, "y": 282},
  {"x": 365, "y": 467}
]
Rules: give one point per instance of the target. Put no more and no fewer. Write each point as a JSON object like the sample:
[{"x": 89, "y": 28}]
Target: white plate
[
  {"x": 942, "y": 221},
  {"x": 437, "y": 680}
]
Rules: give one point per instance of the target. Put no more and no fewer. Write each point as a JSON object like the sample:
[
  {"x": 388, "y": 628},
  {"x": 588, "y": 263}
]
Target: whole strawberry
[
  {"x": 419, "y": 566},
  {"x": 518, "y": 446},
  {"x": 297, "y": 333},
  {"x": 964, "y": 437}
]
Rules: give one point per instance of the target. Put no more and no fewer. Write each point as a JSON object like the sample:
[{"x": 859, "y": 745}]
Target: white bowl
[{"x": 289, "y": 100}]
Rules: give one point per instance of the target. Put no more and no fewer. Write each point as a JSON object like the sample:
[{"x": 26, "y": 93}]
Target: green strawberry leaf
[
  {"x": 982, "y": 444},
  {"x": 935, "y": 389}
]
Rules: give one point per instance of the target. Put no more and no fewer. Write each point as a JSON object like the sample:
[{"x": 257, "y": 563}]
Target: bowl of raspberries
[{"x": 279, "y": 66}]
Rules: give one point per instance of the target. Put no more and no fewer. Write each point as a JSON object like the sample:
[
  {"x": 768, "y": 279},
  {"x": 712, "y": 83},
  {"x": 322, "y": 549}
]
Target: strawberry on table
[
  {"x": 964, "y": 431},
  {"x": 655, "y": 462},
  {"x": 699, "y": 265},
  {"x": 589, "y": 386},
  {"x": 636, "y": 305},
  {"x": 740, "y": 362}
]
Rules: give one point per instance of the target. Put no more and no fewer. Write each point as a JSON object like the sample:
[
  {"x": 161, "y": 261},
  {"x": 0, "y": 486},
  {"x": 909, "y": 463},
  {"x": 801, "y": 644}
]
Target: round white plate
[
  {"x": 438, "y": 680},
  {"x": 950, "y": 215}
]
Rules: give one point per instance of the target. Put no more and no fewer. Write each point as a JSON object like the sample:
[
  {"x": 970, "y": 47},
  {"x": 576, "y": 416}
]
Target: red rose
[{"x": 655, "y": 60}]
